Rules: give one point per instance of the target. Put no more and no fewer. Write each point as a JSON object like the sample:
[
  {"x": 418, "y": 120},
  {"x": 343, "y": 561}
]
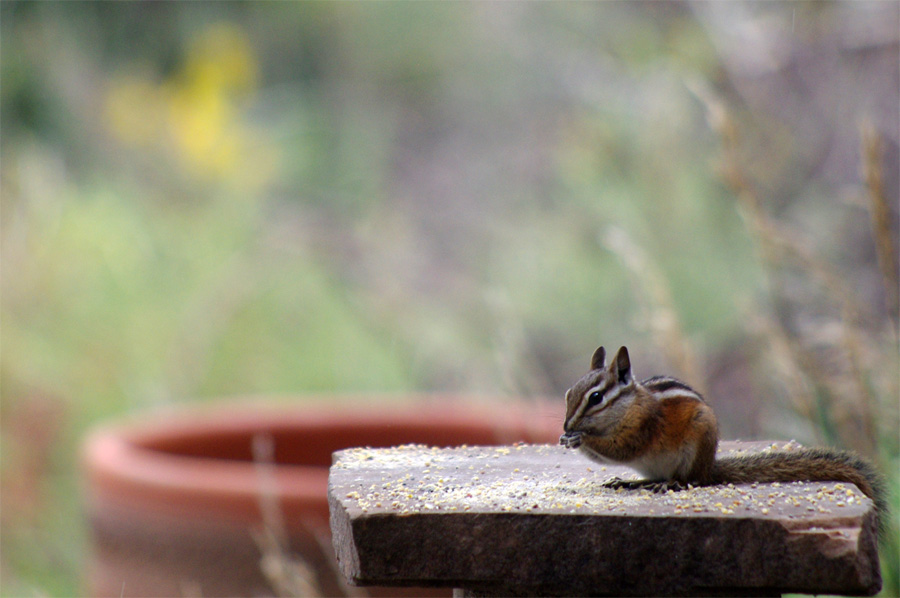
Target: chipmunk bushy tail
[{"x": 809, "y": 464}]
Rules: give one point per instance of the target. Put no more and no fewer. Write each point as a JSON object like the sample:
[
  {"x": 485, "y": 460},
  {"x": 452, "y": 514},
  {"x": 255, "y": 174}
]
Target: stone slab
[{"x": 535, "y": 520}]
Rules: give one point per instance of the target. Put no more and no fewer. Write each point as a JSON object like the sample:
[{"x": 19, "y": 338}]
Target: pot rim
[{"x": 125, "y": 468}]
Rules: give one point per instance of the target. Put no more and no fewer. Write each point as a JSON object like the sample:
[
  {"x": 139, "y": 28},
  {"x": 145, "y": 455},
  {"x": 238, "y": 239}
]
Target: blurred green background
[{"x": 207, "y": 200}]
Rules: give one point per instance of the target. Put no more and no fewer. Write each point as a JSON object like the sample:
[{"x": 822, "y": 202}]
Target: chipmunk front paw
[{"x": 570, "y": 440}]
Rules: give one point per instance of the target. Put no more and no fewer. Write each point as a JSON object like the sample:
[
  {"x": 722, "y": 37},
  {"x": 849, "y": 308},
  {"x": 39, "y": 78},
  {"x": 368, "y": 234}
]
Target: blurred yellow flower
[
  {"x": 197, "y": 111},
  {"x": 204, "y": 129},
  {"x": 221, "y": 59}
]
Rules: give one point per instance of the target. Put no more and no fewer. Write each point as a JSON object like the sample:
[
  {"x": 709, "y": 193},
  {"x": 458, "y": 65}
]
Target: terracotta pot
[{"x": 174, "y": 501}]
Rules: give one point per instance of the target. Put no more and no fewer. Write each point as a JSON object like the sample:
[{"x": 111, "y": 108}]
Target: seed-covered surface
[{"x": 537, "y": 518}]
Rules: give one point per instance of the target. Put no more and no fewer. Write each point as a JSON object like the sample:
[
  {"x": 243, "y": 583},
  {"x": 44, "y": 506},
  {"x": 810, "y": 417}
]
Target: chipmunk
[{"x": 665, "y": 430}]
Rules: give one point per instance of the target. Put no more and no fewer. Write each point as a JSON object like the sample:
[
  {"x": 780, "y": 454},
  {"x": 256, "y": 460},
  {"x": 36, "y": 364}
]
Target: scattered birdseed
[{"x": 414, "y": 479}]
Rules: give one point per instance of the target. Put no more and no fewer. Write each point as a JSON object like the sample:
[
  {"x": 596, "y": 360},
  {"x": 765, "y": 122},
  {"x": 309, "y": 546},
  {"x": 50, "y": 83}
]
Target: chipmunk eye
[{"x": 594, "y": 399}]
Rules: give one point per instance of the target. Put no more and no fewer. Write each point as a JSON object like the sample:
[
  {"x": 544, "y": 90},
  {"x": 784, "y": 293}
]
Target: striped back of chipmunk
[{"x": 665, "y": 387}]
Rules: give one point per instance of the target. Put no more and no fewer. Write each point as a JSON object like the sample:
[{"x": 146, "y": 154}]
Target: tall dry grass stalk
[
  {"x": 872, "y": 164},
  {"x": 846, "y": 401},
  {"x": 657, "y": 306},
  {"x": 783, "y": 357},
  {"x": 845, "y": 383},
  {"x": 290, "y": 577},
  {"x": 288, "y": 574}
]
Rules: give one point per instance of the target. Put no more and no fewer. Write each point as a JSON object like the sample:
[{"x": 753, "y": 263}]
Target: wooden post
[{"x": 535, "y": 520}]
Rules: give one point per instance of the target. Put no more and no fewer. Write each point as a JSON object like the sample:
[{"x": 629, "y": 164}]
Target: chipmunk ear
[
  {"x": 598, "y": 361},
  {"x": 622, "y": 366}
]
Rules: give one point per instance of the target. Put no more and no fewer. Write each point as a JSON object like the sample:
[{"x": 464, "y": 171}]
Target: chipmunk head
[{"x": 595, "y": 402}]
